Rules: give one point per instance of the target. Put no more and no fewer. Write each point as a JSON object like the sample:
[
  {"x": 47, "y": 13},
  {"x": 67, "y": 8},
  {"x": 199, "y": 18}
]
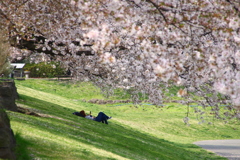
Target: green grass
[{"x": 134, "y": 132}]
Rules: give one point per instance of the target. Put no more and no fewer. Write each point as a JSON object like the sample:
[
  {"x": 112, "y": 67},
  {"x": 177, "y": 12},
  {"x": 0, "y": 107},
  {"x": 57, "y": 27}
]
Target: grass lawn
[{"x": 134, "y": 132}]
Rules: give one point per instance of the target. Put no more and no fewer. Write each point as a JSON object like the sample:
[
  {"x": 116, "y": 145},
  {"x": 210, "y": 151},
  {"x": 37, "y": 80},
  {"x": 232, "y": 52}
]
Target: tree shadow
[{"x": 22, "y": 145}]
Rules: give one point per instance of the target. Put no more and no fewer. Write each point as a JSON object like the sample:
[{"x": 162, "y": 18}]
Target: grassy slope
[{"x": 146, "y": 132}]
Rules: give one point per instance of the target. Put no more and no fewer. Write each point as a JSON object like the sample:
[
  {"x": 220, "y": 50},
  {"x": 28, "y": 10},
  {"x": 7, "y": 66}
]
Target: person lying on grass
[{"x": 101, "y": 117}]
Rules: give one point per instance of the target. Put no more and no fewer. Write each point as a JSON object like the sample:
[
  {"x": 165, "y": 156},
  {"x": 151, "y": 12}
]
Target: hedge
[{"x": 45, "y": 69}]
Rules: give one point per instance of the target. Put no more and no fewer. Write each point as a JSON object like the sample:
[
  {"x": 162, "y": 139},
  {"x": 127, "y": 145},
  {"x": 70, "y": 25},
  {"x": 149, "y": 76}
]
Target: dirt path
[{"x": 225, "y": 148}]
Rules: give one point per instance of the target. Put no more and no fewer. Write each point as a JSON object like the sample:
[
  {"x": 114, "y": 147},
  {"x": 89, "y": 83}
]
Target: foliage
[
  {"x": 138, "y": 44},
  {"x": 45, "y": 69},
  {"x": 143, "y": 132}
]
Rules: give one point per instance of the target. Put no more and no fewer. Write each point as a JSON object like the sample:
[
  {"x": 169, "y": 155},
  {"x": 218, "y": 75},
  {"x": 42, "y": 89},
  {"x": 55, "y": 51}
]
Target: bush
[{"x": 45, "y": 69}]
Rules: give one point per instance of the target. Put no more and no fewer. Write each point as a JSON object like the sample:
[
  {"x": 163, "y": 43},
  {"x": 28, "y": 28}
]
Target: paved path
[{"x": 225, "y": 148}]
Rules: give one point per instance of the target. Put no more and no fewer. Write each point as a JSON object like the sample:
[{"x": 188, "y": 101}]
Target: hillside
[{"x": 134, "y": 132}]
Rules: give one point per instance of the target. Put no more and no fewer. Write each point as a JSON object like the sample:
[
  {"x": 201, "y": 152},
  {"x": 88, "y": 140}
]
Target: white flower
[
  {"x": 123, "y": 68},
  {"x": 234, "y": 23},
  {"x": 221, "y": 87},
  {"x": 198, "y": 54},
  {"x": 72, "y": 2},
  {"x": 139, "y": 80},
  {"x": 212, "y": 58},
  {"x": 137, "y": 1},
  {"x": 236, "y": 38},
  {"x": 125, "y": 80},
  {"x": 236, "y": 99},
  {"x": 159, "y": 69},
  {"x": 93, "y": 34}
]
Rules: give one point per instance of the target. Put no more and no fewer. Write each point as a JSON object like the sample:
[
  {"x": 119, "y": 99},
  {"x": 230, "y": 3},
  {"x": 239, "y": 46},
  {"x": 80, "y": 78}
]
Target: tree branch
[
  {"x": 236, "y": 8},
  {"x": 159, "y": 9}
]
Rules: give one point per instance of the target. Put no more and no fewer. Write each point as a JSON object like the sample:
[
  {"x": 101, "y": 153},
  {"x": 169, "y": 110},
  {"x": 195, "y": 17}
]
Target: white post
[{"x": 27, "y": 73}]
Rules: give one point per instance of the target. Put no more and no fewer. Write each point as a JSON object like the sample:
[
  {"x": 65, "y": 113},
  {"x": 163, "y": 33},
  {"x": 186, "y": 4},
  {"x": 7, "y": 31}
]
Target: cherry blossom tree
[{"x": 145, "y": 45}]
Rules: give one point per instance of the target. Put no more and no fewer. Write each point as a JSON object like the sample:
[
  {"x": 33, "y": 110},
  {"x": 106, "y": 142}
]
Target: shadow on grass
[
  {"x": 22, "y": 145},
  {"x": 118, "y": 139}
]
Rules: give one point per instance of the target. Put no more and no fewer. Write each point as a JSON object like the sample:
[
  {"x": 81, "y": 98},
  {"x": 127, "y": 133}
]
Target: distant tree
[{"x": 143, "y": 44}]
